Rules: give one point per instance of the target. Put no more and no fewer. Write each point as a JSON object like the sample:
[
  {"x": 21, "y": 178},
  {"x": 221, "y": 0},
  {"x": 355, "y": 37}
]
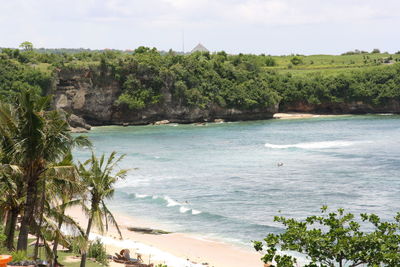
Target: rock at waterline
[{"x": 161, "y": 122}]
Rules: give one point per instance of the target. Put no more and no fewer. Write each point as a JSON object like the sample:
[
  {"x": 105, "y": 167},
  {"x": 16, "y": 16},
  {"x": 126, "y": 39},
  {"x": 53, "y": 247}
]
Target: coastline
[
  {"x": 296, "y": 115},
  {"x": 279, "y": 116},
  {"x": 174, "y": 249}
]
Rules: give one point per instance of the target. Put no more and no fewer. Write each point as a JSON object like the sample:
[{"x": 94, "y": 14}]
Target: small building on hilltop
[{"x": 199, "y": 48}]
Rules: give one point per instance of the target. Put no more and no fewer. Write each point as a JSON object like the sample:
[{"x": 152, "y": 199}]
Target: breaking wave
[{"x": 313, "y": 145}]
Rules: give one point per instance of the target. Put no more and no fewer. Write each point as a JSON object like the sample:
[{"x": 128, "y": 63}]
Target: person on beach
[{"x": 125, "y": 253}]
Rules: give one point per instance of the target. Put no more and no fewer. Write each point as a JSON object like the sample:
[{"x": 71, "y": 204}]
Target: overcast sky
[{"x": 248, "y": 26}]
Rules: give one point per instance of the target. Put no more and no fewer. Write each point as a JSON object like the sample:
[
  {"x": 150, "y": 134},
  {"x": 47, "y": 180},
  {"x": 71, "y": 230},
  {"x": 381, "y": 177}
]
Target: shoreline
[
  {"x": 275, "y": 116},
  {"x": 174, "y": 249},
  {"x": 297, "y": 115}
]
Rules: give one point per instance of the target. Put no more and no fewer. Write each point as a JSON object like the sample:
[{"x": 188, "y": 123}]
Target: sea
[{"x": 227, "y": 181}]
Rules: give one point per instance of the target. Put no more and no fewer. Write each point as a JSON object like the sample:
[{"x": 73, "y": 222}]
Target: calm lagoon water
[{"x": 223, "y": 180}]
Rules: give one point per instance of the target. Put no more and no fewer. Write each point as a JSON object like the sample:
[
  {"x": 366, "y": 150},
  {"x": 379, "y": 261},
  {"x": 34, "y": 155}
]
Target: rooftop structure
[{"x": 199, "y": 48}]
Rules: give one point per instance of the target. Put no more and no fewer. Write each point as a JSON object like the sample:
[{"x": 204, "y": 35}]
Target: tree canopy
[{"x": 334, "y": 239}]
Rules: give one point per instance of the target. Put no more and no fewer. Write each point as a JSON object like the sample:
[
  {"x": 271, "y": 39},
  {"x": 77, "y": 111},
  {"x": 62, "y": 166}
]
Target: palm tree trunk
[
  {"x": 39, "y": 226},
  {"x": 30, "y": 204},
  {"x": 84, "y": 254},
  {"x": 7, "y": 222},
  {"x": 55, "y": 245},
  {"x": 10, "y": 228}
]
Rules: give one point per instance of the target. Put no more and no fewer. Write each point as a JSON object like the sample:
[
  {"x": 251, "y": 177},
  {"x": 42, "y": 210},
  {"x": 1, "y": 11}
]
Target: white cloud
[{"x": 239, "y": 25}]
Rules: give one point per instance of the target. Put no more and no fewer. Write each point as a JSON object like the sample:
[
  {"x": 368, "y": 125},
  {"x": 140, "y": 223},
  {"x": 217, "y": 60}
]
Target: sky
[{"x": 273, "y": 27}]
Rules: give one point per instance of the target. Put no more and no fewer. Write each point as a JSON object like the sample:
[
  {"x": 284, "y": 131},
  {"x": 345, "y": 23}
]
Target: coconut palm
[
  {"x": 65, "y": 190},
  {"x": 11, "y": 200},
  {"x": 59, "y": 185},
  {"x": 11, "y": 179},
  {"x": 99, "y": 176},
  {"x": 39, "y": 138}
]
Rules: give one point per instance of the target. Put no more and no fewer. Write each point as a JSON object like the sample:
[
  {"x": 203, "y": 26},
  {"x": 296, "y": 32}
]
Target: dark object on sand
[{"x": 149, "y": 231}]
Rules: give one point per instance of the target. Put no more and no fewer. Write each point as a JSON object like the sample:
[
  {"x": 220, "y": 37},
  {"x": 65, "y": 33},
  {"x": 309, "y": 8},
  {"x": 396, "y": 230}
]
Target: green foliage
[
  {"x": 28, "y": 46},
  {"x": 16, "y": 76},
  {"x": 19, "y": 255},
  {"x": 333, "y": 239},
  {"x": 296, "y": 60},
  {"x": 77, "y": 244},
  {"x": 97, "y": 250},
  {"x": 375, "y": 86},
  {"x": 148, "y": 77},
  {"x": 3, "y": 238}
]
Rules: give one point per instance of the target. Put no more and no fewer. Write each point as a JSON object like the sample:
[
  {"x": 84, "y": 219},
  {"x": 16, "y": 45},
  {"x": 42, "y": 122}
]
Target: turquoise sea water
[{"x": 223, "y": 180}]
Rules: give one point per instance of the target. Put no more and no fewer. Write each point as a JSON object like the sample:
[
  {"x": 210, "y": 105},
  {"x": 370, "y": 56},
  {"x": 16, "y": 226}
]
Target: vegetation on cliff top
[{"x": 203, "y": 80}]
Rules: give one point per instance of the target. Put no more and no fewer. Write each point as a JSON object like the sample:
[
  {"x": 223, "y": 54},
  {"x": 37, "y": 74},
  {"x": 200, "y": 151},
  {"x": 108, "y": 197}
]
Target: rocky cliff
[
  {"x": 355, "y": 107},
  {"x": 91, "y": 96}
]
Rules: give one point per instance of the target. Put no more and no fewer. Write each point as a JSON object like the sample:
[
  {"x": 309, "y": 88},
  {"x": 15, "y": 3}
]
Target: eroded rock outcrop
[{"x": 91, "y": 96}]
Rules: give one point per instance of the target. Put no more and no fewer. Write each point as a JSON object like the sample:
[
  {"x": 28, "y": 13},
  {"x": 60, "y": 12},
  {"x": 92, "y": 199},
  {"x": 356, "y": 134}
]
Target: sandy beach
[
  {"x": 295, "y": 115},
  {"x": 174, "y": 250}
]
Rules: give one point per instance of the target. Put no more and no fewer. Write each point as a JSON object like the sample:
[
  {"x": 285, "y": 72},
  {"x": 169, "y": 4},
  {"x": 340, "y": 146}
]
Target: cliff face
[
  {"x": 92, "y": 96},
  {"x": 358, "y": 107}
]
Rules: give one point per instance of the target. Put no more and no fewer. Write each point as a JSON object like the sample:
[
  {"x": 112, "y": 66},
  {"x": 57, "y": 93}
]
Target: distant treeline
[{"x": 204, "y": 79}]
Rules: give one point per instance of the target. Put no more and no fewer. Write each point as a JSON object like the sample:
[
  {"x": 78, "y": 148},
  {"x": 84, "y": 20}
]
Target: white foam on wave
[
  {"x": 140, "y": 196},
  {"x": 195, "y": 212},
  {"x": 156, "y": 254},
  {"x": 183, "y": 209},
  {"x": 171, "y": 202},
  {"x": 313, "y": 145}
]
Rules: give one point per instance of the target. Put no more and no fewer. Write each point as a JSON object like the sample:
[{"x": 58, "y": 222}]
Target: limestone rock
[
  {"x": 78, "y": 122},
  {"x": 78, "y": 130}
]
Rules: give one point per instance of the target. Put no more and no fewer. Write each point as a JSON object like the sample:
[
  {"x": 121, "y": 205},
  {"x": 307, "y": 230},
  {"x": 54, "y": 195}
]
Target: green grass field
[{"x": 331, "y": 65}]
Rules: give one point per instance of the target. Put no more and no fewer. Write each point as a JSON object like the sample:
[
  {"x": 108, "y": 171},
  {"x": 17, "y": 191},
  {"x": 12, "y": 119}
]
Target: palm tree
[
  {"x": 39, "y": 138},
  {"x": 65, "y": 190},
  {"x": 11, "y": 200},
  {"x": 11, "y": 185},
  {"x": 98, "y": 175}
]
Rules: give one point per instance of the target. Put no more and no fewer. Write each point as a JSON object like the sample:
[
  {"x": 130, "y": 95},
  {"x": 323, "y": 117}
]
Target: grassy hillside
[{"x": 331, "y": 64}]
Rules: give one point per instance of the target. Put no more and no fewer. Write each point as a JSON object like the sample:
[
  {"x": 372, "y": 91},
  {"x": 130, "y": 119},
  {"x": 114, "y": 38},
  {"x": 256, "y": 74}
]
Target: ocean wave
[
  {"x": 313, "y": 145},
  {"x": 140, "y": 196},
  {"x": 171, "y": 202},
  {"x": 195, "y": 212},
  {"x": 183, "y": 207}
]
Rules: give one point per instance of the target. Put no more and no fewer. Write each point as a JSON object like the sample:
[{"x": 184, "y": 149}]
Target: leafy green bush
[
  {"x": 19, "y": 255},
  {"x": 334, "y": 239},
  {"x": 3, "y": 238},
  {"x": 296, "y": 60},
  {"x": 77, "y": 244},
  {"x": 97, "y": 250}
]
